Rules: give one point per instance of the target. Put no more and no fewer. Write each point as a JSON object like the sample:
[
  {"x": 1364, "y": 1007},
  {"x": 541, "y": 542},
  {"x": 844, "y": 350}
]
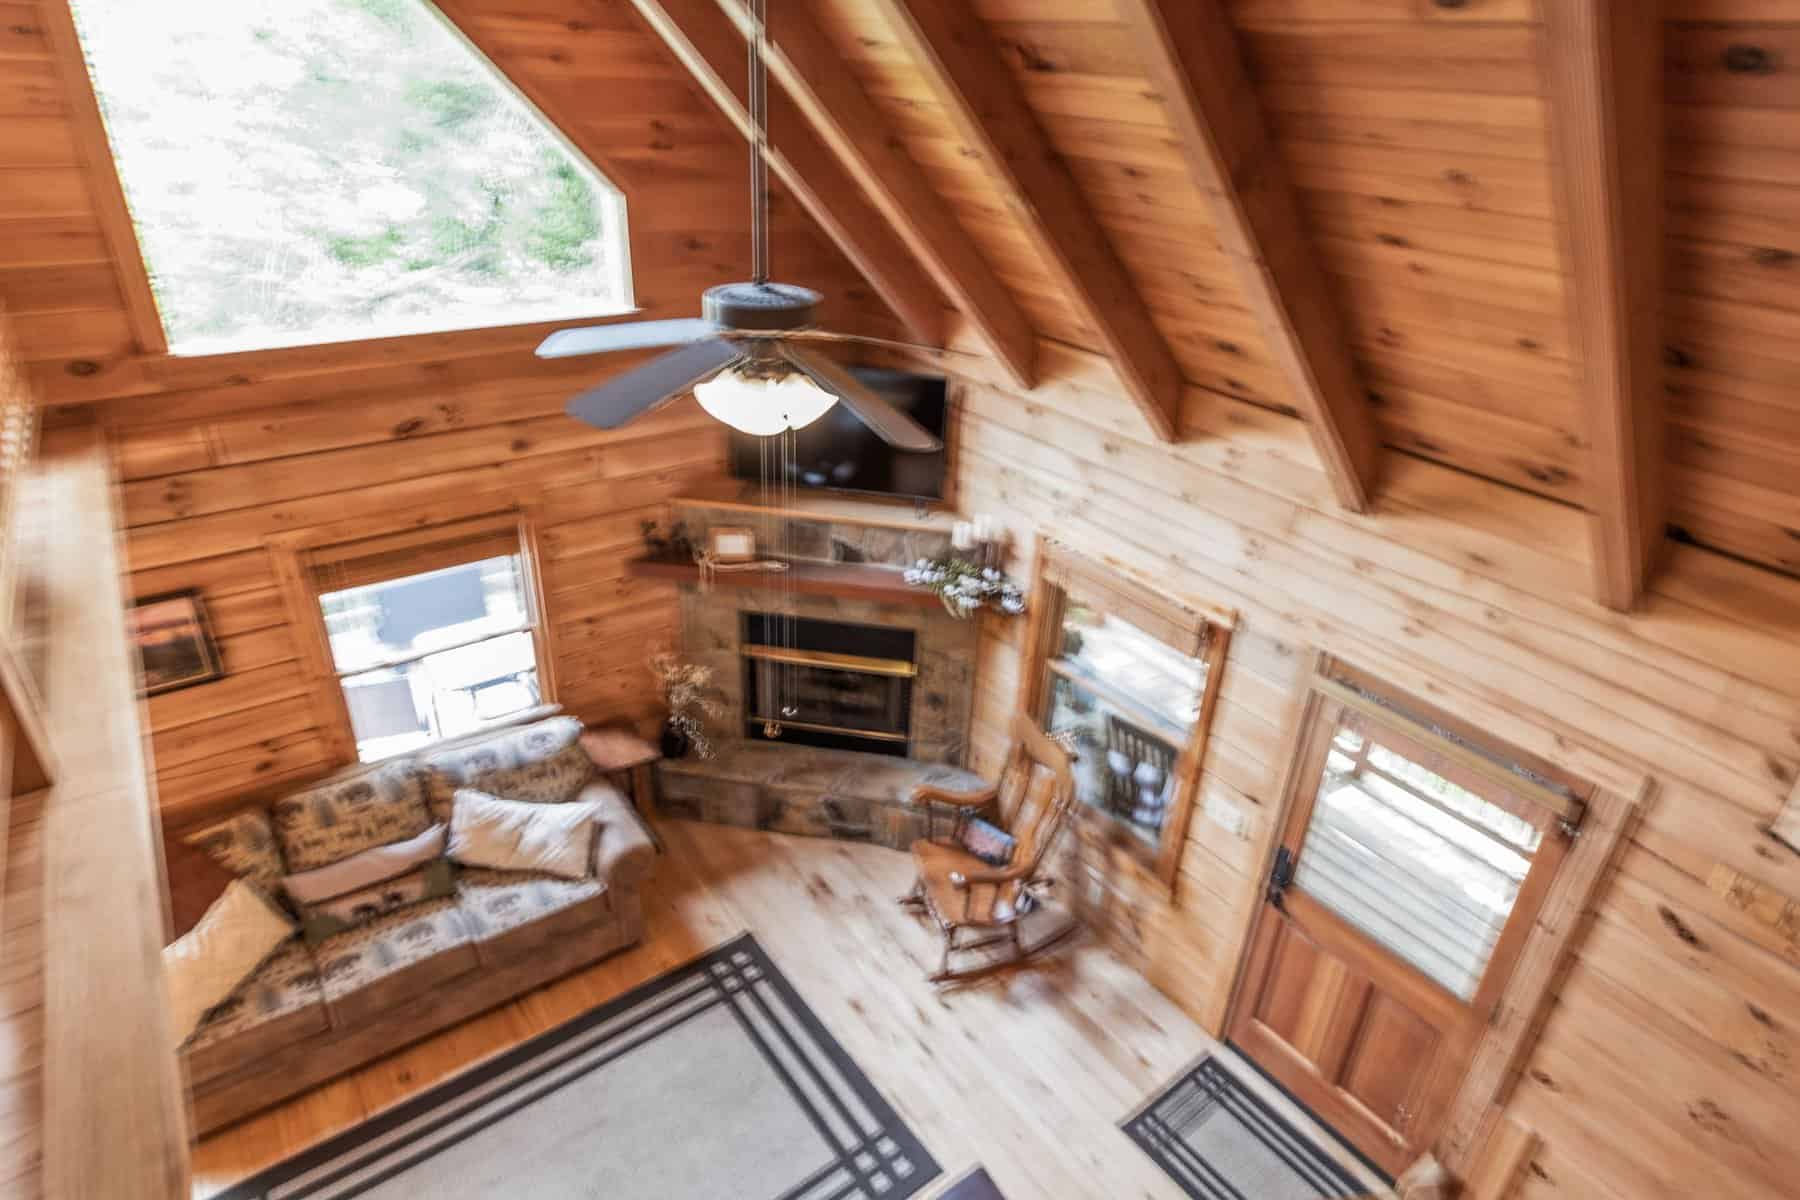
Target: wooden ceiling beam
[
  {"x": 1602, "y": 63},
  {"x": 1197, "y": 67},
  {"x": 812, "y": 71},
  {"x": 953, "y": 48},
  {"x": 701, "y": 37}
]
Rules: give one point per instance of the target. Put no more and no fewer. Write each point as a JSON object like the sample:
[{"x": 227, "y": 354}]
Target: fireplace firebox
[{"x": 828, "y": 683}]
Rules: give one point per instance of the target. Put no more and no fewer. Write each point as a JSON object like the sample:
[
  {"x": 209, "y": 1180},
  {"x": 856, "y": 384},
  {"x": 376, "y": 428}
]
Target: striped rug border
[
  {"x": 730, "y": 969},
  {"x": 1216, "y": 1084}
]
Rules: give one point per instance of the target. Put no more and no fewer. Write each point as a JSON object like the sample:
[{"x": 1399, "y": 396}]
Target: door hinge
[{"x": 1281, "y": 876}]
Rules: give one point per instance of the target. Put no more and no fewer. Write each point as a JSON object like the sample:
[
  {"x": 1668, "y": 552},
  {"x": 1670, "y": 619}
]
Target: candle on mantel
[
  {"x": 962, "y": 536},
  {"x": 985, "y": 528}
]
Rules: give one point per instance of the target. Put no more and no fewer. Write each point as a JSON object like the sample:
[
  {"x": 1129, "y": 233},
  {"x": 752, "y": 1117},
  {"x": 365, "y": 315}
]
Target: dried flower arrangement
[{"x": 687, "y": 692}]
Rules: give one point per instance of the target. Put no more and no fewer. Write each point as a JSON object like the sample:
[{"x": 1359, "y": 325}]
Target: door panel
[
  {"x": 1357, "y": 1056},
  {"x": 1389, "y": 1034}
]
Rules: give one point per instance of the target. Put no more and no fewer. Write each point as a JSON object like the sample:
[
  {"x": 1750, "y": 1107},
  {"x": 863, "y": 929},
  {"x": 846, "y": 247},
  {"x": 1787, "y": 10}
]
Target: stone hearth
[{"x": 805, "y": 790}]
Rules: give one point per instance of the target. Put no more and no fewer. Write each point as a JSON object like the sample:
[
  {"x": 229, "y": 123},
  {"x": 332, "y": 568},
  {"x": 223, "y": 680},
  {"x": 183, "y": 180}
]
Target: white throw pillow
[
  {"x": 205, "y": 965},
  {"x": 514, "y": 835},
  {"x": 365, "y": 869}
]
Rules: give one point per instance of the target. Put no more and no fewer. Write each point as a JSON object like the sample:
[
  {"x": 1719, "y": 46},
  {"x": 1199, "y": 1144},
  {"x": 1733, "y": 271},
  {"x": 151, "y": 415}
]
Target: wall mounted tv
[{"x": 838, "y": 453}]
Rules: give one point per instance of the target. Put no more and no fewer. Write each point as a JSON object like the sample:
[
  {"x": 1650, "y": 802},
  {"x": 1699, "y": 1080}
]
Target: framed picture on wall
[
  {"x": 174, "y": 643},
  {"x": 732, "y": 543}
]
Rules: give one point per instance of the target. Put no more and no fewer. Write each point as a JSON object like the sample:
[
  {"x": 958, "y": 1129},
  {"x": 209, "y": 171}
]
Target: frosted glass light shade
[{"x": 764, "y": 407}]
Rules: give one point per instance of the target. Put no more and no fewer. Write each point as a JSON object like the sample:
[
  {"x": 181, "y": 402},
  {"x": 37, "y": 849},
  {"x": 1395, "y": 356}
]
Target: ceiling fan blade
[
  {"x": 631, "y": 335},
  {"x": 619, "y": 401},
  {"x": 889, "y": 423},
  {"x": 826, "y": 335}
]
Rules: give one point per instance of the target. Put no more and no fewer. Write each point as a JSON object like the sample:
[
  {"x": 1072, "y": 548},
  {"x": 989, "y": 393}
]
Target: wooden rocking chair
[{"x": 960, "y": 891}]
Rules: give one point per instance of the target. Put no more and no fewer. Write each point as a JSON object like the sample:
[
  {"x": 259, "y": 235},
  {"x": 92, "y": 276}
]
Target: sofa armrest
[{"x": 623, "y": 852}]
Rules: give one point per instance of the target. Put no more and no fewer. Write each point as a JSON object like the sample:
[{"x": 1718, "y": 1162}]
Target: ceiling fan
[{"x": 744, "y": 358}]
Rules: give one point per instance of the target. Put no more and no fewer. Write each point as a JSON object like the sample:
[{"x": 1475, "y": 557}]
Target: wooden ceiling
[{"x": 1467, "y": 230}]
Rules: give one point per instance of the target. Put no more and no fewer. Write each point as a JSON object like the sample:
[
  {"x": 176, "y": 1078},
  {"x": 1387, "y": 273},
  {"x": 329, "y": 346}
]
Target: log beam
[
  {"x": 698, "y": 34},
  {"x": 956, "y": 53},
  {"x": 1603, "y": 68},
  {"x": 811, "y": 70},
  {"x": 1194, "y": 60}
]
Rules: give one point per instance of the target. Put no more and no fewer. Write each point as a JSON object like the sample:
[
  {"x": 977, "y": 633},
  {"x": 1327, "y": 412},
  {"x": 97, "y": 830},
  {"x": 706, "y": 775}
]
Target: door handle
[{"x": 1281, "y": 876}]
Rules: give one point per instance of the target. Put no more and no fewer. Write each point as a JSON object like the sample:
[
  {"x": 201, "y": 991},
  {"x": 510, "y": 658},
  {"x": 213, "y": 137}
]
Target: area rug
[
  {"x": 1219, "y": 1140},
  {"x": 714, "y": 1080}
]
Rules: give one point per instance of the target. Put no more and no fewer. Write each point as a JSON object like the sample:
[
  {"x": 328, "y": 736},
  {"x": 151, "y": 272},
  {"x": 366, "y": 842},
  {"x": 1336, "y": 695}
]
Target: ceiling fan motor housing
[{"x": 754, "y": 307}]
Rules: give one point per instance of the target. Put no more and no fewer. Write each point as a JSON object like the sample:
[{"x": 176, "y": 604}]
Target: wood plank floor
[{"x": 1028, "y": 1072}]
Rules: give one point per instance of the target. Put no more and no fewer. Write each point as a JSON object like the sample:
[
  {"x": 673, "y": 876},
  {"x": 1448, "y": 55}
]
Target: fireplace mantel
[{"x": 856, "y": 581}]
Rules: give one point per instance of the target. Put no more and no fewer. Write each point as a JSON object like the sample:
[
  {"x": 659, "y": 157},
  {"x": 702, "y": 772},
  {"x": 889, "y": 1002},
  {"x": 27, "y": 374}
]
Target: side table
[{"x": 628, "y": 761}]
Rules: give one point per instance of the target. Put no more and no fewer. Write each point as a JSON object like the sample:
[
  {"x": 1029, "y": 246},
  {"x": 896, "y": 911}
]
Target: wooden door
[{"x": 1403, "y": 889}]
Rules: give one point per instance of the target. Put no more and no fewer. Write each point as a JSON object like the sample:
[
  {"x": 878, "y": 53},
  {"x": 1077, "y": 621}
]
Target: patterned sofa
[{"x": 312, "y": 1012}]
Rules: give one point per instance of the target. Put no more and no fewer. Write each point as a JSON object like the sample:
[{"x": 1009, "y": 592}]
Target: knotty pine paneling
[
  {"x": 200, "y": 497},
  {"x": 1416, "y": 137},
  {"x": 1732, "y": 308},
  {"x": 1667, "y": 1067}
]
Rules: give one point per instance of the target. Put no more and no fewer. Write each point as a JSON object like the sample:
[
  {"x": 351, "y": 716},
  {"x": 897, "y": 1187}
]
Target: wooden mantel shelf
[{"x": 859, "y": 581}]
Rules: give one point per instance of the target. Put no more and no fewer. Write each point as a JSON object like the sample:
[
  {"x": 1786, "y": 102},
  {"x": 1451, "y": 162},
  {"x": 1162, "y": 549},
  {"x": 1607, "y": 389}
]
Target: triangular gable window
[{"x": 307, "y": 171}]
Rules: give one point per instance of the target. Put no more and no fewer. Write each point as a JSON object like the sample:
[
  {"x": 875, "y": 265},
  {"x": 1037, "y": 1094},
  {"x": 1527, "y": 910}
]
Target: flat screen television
[{"x": 839, "y": 453}]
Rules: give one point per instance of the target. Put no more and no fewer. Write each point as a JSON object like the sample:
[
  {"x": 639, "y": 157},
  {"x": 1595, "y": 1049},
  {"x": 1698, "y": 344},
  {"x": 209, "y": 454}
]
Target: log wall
[
  {"x": 1668, "y": 1066},
  {"x": 199, "y": 499}
]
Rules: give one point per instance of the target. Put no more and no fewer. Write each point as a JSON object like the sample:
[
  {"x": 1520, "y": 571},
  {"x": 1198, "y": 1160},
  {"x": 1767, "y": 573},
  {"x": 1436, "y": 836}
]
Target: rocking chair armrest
[
  {"x": 962, "y": 880},
  {"x": 926, "y": 793}
]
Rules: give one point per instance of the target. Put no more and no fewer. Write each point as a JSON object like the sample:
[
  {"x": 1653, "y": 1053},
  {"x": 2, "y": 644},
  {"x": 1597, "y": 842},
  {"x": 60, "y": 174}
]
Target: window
[
  {"x": 1419, "y": 835},
  {"x": 1424, "y": 865},
  {"x": 1126, "y": 679},
  {"x": 426, "y": 636},
  {"x": 323, "y": 170}
]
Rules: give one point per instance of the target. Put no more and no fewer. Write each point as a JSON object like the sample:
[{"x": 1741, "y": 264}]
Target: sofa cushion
[
  {"x": 512, "y": 914},
  {"x": 244, "y": 844},
  {"x": 328, "y": 918},
  {"x": 348, "y": 813},
  {"x": 542, "y": 762},
  {"x": 368, "y": 970},
  {"x": 279, "y": 1004}
]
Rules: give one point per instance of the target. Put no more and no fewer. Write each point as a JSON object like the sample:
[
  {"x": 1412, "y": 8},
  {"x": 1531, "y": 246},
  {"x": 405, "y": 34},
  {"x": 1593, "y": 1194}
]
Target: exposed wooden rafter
[
  {"x": 95, "y": 150},
  {"x": 812, "y": 71},
  {"x": 966, "y": 72},
  {"x": 1194, "y": 60},
  {"x": 1603, "y": 67},
  {"x": 698, "y": 34}
]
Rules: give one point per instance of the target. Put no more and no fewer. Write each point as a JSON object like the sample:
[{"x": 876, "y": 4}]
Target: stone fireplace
[
  {"x": 837, "y": 701},
  {"x": 880, "y": 678}
]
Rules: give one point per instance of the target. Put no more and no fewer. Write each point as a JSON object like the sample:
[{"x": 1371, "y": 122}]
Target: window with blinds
[
  {"x": 432, "y": 634},
  {"x": 1422, "y": 838},
  {"x": 1123, "y": 678}
]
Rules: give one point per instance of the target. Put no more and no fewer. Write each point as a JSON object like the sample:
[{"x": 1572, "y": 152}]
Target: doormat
[{"x": 1219, "y": 1140}]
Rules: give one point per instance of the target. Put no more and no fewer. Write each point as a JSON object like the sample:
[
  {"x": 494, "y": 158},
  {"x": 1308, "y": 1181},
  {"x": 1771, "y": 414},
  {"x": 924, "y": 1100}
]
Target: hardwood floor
[{"x": 1028, "y": 1072}]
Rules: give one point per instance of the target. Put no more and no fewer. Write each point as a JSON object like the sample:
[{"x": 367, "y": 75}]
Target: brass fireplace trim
[
  {"x": 835, "y": 662},
  {"x": 871, "y": 734}
]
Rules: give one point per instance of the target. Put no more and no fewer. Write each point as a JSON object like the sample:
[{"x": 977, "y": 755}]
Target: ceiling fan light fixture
[{"x": 762, "y": 403}]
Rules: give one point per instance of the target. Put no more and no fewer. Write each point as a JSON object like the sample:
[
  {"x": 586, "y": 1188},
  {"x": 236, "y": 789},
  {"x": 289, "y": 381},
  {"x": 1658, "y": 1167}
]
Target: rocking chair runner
[{"x": 960, "y": 891}]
